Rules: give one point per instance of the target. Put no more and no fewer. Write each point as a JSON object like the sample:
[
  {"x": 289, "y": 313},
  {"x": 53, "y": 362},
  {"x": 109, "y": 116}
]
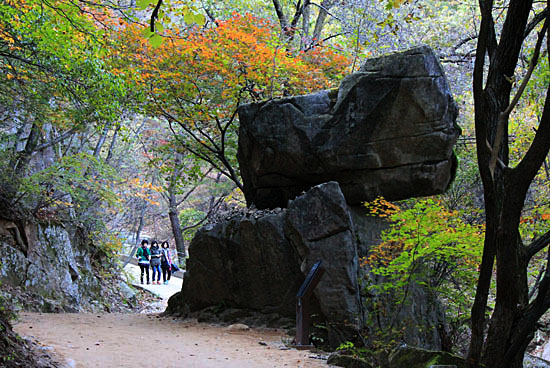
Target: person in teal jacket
[
  {"x": 144, "y": 256},
  {"x": 155, "y": 261}
]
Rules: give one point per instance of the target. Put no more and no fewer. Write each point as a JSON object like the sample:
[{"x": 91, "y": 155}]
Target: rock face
[
  {"x": 319, "y": 227},
  {"x": 388, "y": 130},
  {"x": 259, "y": 263},
  {"x": 49, "y": 266},
  {"x": 243, "y": 263}
]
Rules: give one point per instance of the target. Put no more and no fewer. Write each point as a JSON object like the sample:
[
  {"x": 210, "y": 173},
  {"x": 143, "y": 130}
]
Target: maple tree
[
  {"x": 63, "y": 113},
  {"x": 425, "y": 244},
  {"x": 197, "y": 80}
]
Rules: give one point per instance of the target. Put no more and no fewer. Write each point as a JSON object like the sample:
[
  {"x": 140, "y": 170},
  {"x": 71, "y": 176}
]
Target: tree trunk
[
  {"x": 511, "y": 299},
  {"x": 101, "y": 139},
  {"x": 321, "y": 18},
  {"x": 176, "y": 231},
  {"x": 112, "y": 145},
  {"x": 174, "y": 219},
  {"x": 305, "y": 39},
  {"x": 141, "y": 224},
  {"x": 513, "y": 320},
  {"x": 173, "y": 212}
]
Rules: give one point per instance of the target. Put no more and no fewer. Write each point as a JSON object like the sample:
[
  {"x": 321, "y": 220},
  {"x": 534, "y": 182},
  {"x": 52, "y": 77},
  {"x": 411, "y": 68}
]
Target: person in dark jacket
[
  {"x": 143, "y": 255},
  {"x": 166, "y": 262},
  {"x": 156, "y": 253}
]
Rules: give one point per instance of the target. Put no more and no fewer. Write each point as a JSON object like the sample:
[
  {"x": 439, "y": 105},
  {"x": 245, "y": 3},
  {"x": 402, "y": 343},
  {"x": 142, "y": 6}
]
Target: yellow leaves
[
  {"x": 154, "y": 203},
  {"x": 379, "y": 207},
  {"x": 236, "y": 198},
  {"x": 239, "y": 48},
  {"x": 145, "y": 190},
  {"x": 7, "y": 38},
  {"x": 62, "y": 203},
  {"x": 146, "y": 197},
  {"x": 383, "y": 253},
  {"x": 398, "y": 3},
  {"x": 145, "y": 185}
]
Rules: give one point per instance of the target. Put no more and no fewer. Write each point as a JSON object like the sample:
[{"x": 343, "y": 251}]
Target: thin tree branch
[
  {"x": 503, "y": 117},
  {"x": 535, "y": 21},
  {"x": 537, "y": 245},
  {"x": 155, "y": 15},
  {"x": 56, "y": 140}
]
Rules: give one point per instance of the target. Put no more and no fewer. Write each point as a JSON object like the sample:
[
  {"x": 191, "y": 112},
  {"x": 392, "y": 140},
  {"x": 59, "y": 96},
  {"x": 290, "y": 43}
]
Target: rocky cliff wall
[{"x": 48, "y": 267}]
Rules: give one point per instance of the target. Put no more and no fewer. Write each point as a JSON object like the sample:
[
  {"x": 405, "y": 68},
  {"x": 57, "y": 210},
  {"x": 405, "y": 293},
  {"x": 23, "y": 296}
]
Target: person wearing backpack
[
  {"x": 156, "y": 253},
  {"x": 166, "y": 262},
  {"x": 144, "y": 255}
]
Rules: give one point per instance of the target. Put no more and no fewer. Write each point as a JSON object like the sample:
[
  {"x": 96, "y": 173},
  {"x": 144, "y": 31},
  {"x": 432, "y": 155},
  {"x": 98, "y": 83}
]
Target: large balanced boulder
[{"x": 387, "y": 131}]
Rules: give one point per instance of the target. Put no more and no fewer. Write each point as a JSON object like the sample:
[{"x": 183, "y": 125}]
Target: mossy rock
[
  {"x": 347, "y": 361},
  {"x": 410, "y": 357}
]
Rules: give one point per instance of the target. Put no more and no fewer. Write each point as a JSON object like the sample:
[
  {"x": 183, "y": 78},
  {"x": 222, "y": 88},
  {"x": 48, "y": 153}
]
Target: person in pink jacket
[{"x": 166, "y": 262}]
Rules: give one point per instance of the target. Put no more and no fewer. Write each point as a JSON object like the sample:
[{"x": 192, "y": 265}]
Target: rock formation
[
  {"x": 388, "y": 130},
  {"x": 258, "y": 263},
  {"x": 48, "y": 267},
  {"x": 245, "y": 263}
]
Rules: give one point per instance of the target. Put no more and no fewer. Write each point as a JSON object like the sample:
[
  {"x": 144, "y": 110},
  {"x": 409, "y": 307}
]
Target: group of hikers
[{"x": 157, "y": 258}]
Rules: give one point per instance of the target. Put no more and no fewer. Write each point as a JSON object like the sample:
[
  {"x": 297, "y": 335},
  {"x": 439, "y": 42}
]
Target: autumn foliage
[
  {"x": 197, "y": 77},
  {"x": 238, "y": 60},
  {"x": 426, "y": 244}
]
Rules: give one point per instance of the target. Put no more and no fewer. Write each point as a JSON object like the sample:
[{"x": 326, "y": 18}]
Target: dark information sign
[{"x": 303, "y": 304}]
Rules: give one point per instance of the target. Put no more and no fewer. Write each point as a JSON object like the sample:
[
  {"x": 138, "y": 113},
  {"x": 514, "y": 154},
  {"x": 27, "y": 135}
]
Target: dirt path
[
  {"x": 162, "y": 291},
  {"x": 144, "y": 340}
]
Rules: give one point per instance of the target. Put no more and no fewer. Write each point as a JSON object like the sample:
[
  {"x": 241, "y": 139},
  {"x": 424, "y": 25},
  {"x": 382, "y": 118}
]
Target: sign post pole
[{"x": 303, "y": 305}]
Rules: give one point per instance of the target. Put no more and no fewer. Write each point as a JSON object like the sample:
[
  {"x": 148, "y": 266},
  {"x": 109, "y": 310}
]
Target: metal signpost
[{"x": 303, "y": 305}]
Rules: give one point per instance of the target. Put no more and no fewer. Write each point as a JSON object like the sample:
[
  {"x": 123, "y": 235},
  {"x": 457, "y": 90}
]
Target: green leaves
[
  {"x": 58, "y": 56},
  {"x": 177, "y": 9},
  {"x": 427, "y": 244},
  {"x": 76, "y": 181},
  {"x": 155, "y": 40},
  {"x": 143, "y": 4},
  {"x": 146, "y": 32},
  {"x": 191, "y": 17}
]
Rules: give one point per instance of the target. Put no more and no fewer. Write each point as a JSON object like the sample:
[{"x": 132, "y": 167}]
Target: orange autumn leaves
[{"x": 239, "y": 59}]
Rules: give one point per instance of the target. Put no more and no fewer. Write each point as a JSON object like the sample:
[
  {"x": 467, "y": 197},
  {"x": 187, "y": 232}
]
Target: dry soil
[{"x": 147, "y": 340}]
